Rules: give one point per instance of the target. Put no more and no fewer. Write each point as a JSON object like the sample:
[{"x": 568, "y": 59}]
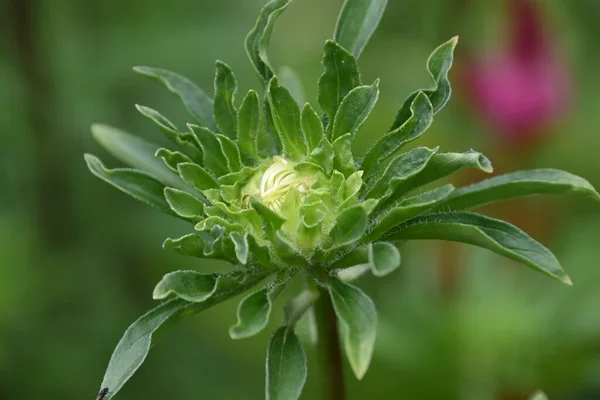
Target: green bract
[{"x": 275, "y": 188}]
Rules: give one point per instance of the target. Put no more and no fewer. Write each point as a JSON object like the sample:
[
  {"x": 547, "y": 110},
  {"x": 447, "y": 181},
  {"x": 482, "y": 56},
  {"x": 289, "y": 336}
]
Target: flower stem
[{"x": 331, "y": 369}]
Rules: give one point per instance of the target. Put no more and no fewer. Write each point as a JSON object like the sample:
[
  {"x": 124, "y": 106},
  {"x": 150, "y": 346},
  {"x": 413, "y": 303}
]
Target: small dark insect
[{"x": 102, "y": 394}]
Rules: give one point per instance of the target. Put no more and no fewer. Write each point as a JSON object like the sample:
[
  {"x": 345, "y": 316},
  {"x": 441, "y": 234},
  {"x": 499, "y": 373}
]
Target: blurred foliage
[{"x": 78, "y": 260}]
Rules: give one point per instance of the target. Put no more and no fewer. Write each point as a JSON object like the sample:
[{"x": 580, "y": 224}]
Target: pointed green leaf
[
  {"x": 172, "y": 158},
  {"x": 382, "y": 258},
  {"x": 241, "y": 246},
  {"x": 184, "y": 204},
  {"x": 357, "y": 22},
  {"x": 196, "y": 176},
  {"x": 354, "y": 110},
  {"x": 518, "y": 184},
  {"x": 286, "y": 118},
  {"x": 195, "y": 287},
  {"x": 312, "y": 127},
  {"x": 350, "y": 225},
  {"x": 438, "y": 65},
  {"x": 323, "y": 155},
  {"x": 478, "y": 230},
  {"x": 290, "y": 79},
  {"x": 253, "y": 312},
  {"x": 351, "y": 186},
  {"x": 270, "y": 216},
  {"x": 286, "y": 366},
  {"x": 343, "y": 160},
  {"x": 402, "y": 168},
  {"x": 137, "y": 184},
  {"x": 223, "y": 107},
  {"x": 231, "y": 153},
  {"x": 407, "y": 209},
  {"x": 135, "y": 152},
  {"x": 249, "y": 124},
  {"x": 198, "y": 104},
  {"x": 213, "y": 160},
  {"x": 419, "y": 121},
  {"x": 340, "y": 77},
  {"x": 257, "y": 41},
  {"x": 358, "y": 323}
]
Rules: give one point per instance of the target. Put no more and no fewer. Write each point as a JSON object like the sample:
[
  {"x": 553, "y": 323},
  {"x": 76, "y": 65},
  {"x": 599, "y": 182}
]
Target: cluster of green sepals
[{"x": 274, "y": 188}]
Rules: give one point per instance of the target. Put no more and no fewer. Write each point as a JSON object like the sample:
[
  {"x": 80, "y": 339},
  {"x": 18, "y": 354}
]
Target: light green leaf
[
  {"x": 343, "y": 160},
  {"x": 286, "y": 118},
  {"x": 184, "y": 204},
  {"x": 231, "y": 153},
  {"x": 340, "y": 77},
  {"x": 258, "y": 39},
  {"x": 539, "y": 395},
  {"x": 213, "y": 160},
  {"x": 323, "y": 155},
  {"x": 172, "y": 158},
  {"x": 241, "y": 246},
  {"x": 290, "y": 79},
  {"x": 358, "y": 323},
  {"x": 199, "y": 105},
  {"x": 253, "y": 312},
  {"x": 354, "y": 110},
  {"x": 206, "y": 244},
  {"x": 312, "y": 127},
  {"x": 407, "y": 209},
  {"x": 137, "y": 184},
  {"x": 382, "y": 258},
  {"x": 478, "y": 230},
  {"x": 419, "y": 121},
  {"x": 286, "y": 366},
  {"x": 195, "y": 287},
  {"x": 518, "y": 184},
  {"x": 351, "y": 186},
  {"x": 357, "y": 22},
  {"x": 438, "y": 65},
  {"x": 296, "y": 307},
  {"x": 271, "y": 217},
  {"x": 249, "y": 124},
  {"x": 196, "y": 176},
  {"x": 350, "y": 225},
  {"x": 135, "y": 152},
  {"x": 223, "y": 107},
  {"x": 402, "y": 168}
]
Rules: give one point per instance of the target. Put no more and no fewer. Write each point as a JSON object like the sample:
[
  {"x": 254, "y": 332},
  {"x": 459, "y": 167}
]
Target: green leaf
[
  {"x": 171, "y": 132},
  {"x": 135, "y": 152},
  {"x": 518, "y": 184},
  {"x": 249, "y": 124},
  {"x": 478, "y": 230},
  {"x": 290, "y": 79},
  {"x": 286, "y": 118},
  {"x": 287, "y": 251},
  {"x": 343, "y": 160},
  {"x": 442, "y": 165},
  {"x": 196, "y": 176},
  {"x": 539, "y": 395},
  {"x": 407, "y": 209},
  {"x": 350, "y": 225},
  {"x": 270, "y": 216},
  {"x": 210, "y": 243},
  {"x": 258, "y": 39},
  {"x": 351, "y": 186},
  {"x": 241, "y": 246},
  {"x": 135, "y": 344},
  {"x": 382, "y": 258},
  {"x": 231, "y": 153},
  {"x": 357, "y": 22},
  {"x": 195, "y": 287},
  {"x": 402, "y": 168},
  {"x": 323, "y": 155},
  {"x": 340, "y": 77},
  {"x": 214, "y": 160},
  {"x": 253, "y": 312},
  {"x": 358, "y": 323},
  {"x": 137, "y": 184},
  {"x": 296, "y": 307},
  {"x": 419, "y": 121},
  {"x": 354, "y": 110},
  {"x": 223, "y": 108},
  {"x": 312, "y": 127},
  {"x": 286, "y": 366},
  {"x": 184, "y": 204},
  {"x": 438, "y": 65},
  {"x": 172, "y": 158},
  {"x": 198, "y": 104}
]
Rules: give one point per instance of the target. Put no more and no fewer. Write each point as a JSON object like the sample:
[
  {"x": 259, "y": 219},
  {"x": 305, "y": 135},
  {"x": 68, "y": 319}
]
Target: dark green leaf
[
  {"x": 223, "y": 108},
  {"x": 184, "y": 204},
  {"x": 518, "y": 184},
  {"x": 340, "y": 77},
  {"x": 438, "y": 65},
  {"x": 478, "y": 230},
  {"x": 137, "y": 184},
  {"x": 214, "y": 160},
  {"x": 286, "y": 118},
  {"x": 199, "y": 105},
  {"x": 258, "y": 39},
  {"x": 420, "y": 119},
  {"x": 231, "y": 153},
  {"x": 323, "y": 155},
  {"x": 286, "y": 366},
  {"x": 358, "y": 323},
  {"x": 354, "y": 110},
  {"x": 249, "y": 124},
  {"x": 357, "y": 22},
  {"x": 253, "y": 312},
  {"x": 312, "y": 127},
  {"x": 196, "y": 176},
  {"x": 350, "y": 225}
]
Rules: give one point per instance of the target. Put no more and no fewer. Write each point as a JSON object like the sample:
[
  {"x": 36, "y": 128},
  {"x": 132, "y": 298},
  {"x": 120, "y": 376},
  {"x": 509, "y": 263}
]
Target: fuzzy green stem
[{"x": 331, "y": 371}]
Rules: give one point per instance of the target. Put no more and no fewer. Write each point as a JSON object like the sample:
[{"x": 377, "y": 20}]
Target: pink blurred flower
[{"x": 523, "y": 88}]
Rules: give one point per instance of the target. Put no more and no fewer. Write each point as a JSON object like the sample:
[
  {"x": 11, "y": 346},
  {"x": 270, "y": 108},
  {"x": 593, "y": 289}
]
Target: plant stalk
[{"x": 329, "y": 355}]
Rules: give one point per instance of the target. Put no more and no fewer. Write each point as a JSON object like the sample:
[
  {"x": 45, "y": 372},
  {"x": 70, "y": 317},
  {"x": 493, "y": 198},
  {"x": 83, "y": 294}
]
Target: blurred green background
[{"x": 78, "y": 259}]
